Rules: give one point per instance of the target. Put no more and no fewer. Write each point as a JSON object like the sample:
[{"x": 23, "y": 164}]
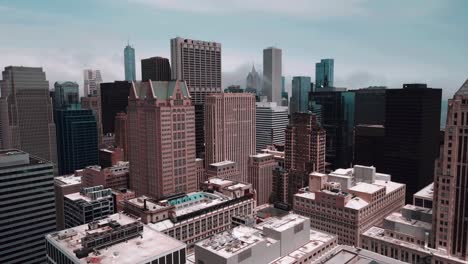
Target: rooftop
[
  {"x": 261, "y": 155},
  {"x": 365, "y": 188},
  {"x": 67, "y": 180},
  {"x": 347, "y": 254},
  {"x": 399, "y": 218},
  {"x": 283, "y": 223},
  {"x": 134, "y": 250},
  {"x": 10, "y": 158},
  {"x": 223, "y": 163},
  {"x": 426, "y": 193}
]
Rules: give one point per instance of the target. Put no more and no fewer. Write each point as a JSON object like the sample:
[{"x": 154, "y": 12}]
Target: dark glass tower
[
  {"x": 337, "y": 118},
  {"x": 412, "y": 122},
  {"x": 129, "y": 63},
  {"x": 77, "y": 143},
  {"x": 155, "y": 69},
  {"x": 114, "y": 99}
]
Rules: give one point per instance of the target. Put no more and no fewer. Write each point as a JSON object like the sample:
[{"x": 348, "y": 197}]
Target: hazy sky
[{"x": 373, "y": 42}]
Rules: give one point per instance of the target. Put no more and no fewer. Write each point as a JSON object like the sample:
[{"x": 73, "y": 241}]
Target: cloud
[{"x": 310, "y": 9}]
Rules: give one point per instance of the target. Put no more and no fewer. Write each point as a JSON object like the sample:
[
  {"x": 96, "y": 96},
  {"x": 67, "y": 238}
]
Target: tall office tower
[
  {"x": 272, "y": 78},
  {"x": 369, "y": 143},
  {"x": 450, "y": 211},
  {"x": 254, "y": 82},
  {"x": 129, "y": 61},
  {"x": 230, "y": 129},
  {"x": 261, "y": 168},
  {"x": 92, "y": 79},
  {"x": 324, "y": 73},
  {"x": 155, "y": 69},
  {"x": 161, "y": 139},
  {"x": 300, "y": 95},
  {"x": 77, "y": 140},
  {"x": 199, "y": 64},
  {"x": 114, "y": 99},
  {"x": 64, "y": 185},
  {"x": 121, "y": 137},
  {"x": 370, "y": 106},
  {"x": 271, "y": 121},
  {"x": 94, "y": 103},
  {"x": 28, "y": 206},
  {"x": 26, "y": 112},
  {"x": 304, "y": 151},
  {"x": 337, "y": 118},
  {"x": 412, "y": 124},
  {"x": 88, "y": 205},
  {"x": 66, "y": 95}
]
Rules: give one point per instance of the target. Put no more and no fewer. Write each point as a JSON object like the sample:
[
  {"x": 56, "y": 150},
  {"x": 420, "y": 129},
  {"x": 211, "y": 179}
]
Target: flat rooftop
[
  {"x": 134, "y": 250},
  {"x": 426, "y": 193},
  {"x": 11, "y": 158},
  {"x": 67, "y": 180},
  {"x": 364, "y": 187},
  {"x": 283, "y": 223},
  {"x": 223, "y": 163},
  {"x": 261, "y": 155},
  {"x": 219, "y": 181},
  {"x": 389, "y": 185},
  {"x": 399, "y": 218},
  {"x": 140, "y": 203},
  {"x": 347, "y": 254}
]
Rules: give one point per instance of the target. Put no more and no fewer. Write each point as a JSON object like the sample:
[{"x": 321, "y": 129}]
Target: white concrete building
[
  {"x": 271, "y": 121},
  {"x": 272, "y": 74}
]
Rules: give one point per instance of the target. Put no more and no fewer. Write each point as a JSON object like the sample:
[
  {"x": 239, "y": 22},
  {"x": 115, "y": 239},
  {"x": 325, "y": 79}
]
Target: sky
[{"x": 373, "y": 42}]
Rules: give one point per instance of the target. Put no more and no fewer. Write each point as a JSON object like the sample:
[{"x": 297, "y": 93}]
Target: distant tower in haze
[
  {"x": 26, "y": 112},
  {"x": 300, "y": 94},
  {"x": 92, "y": 80},
  {"x": 155, "y": 69},
  {"x": 254, "y": 81},
  {"x": 272, "y": 76},
  {"x": 129, "y": 61},
  {"x": 324, "y": 71}
]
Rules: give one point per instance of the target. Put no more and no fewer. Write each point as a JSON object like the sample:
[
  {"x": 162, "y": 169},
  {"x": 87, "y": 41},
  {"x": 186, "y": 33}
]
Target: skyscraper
[
  {"x": 412, "y": 125},
  {"x": 230, "y": 129},
  {"x": 324, "y": 73},
  {"x": 337, "y": 118},
  {"x": 254, "y": 82},
  {"x": 27, "y": 206},
  {"x": 450, "y": 211},
  {"x": 161, "y": 139},
  {"x": 300, "y": 94},
  {"x": 304, "y": 151},
  {"x": 199, "y": 64},
  {"x": 77, "y": 139},
  {"x": 155, "y": 69},
  {"x": 272, "y": 70},
  {"x": 66, "y": 94},
  {"x": 26, "y": 112},
  {"x": 92, "y": 79},
  {"x": 94, "y": 103},
  {"x": 114, "y": 99},
  {"x": 129, "y": 61},
  {"x": 271, "y": 121},
  {"x": 261, "y": 168}
]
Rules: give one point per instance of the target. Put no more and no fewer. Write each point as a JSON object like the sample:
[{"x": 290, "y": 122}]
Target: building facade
[
  {"x": 155, "y": 69},
  {"x": 261, "y": 168},
  {"x": 304, "y": 150},
  {"x": 121, "y": 138},
  {"x": 64, "y": 185},
  {"x": 161, "y": 139},
  {"x": 94, "y": 103},
  {"x": 92, "y": 80},
  {"x": 77, "y": 141},
  {"x": 347, "y": 202},
  {"x": 129, "y": 63},
  {"x": 230, "y": 129},
  {"x": 300, "y": 95},
  {"x": 66, "y": 95},
  {"x": 272, "y": 74},
  {"x": 324, "y": 73},
  {"x": 271, "y": 121},
  {"x": 198, "y": 63},
  {"x": 88, "y": 205},
  {"x": 28, "y": 207},
  {"x": 26, "y": 112},
  {"x": 412, "y": 125},
  {"x": 115, "y": 177},
  {"x": 114, "y": 100}
]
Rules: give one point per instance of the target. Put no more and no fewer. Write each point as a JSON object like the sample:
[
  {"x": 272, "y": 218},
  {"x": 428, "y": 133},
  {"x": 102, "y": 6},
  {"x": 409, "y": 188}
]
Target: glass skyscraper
[
  {"x": 129, "y": 61},
  {"x": 300, "y": 94},
  {"x": 324, "y": 73}
]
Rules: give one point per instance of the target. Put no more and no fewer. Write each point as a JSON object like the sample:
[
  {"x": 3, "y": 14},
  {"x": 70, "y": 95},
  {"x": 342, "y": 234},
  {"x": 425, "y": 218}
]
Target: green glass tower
[
  {"x": 324, "y": 73},
  {"x": 129, "y": 63}
]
